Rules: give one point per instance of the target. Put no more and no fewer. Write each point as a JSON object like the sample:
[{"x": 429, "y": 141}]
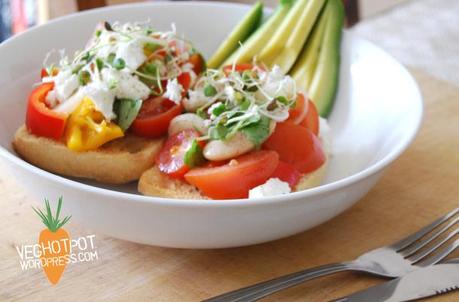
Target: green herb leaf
[
  {"x": 97, "y": 33},
  {"x": 151, "y": 46},
  {"x": 99, "y": 64},
  {"x": 258, "y": 132},
  {"x": 193, "y": 156},
  {"x": 219, "y": 109},
  {"x": 126, "y": 111},
  {"x": 119, "y": 64},
  {"x": 210, "y": 91},
  {"x": 218, "y": 132},
  {"x": 84, "y": 77},
  {"x": 111, "y": 57},
  {"x": 282, "y": 99}
]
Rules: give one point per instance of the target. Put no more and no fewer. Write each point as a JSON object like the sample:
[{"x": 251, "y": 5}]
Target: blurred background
[
  {"x": 422, "y": 34},
  {"x": 18, "y": 15}
]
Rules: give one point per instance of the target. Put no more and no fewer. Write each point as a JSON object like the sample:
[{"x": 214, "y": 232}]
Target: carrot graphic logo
[{"x": 54, "y": 242}]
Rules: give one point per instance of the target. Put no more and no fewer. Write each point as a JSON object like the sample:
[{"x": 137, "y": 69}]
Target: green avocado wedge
[
  {"x": 305, "y": 66},
  {"x": 287, "y": 42},
  {"x": 324, "y": 85},
  {"x": 258, "y": 40},
  {"x": 239, "y": 34}
]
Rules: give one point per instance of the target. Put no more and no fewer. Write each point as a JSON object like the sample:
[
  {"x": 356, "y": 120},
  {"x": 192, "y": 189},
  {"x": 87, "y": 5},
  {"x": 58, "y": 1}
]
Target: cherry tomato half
[
  {"x": 154, "y": 117},
  {"x": 236, "y": 178},
  {"x": 288, "y": 173},
  {"x": 297, "y": 146},
  {"x": 40, "y": 120},
  {"x": 311, "y": 121},
  {"x": 171, "y": 159}
]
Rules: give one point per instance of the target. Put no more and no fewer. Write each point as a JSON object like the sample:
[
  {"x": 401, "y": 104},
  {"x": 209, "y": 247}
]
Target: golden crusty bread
[
  {"x": 155, "y": 183},
  {"x": 120, "y": 161}
]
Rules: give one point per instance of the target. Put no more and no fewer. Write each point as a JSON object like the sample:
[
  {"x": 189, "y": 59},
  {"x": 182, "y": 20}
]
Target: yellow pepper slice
[{"x": 87, "y": 128}]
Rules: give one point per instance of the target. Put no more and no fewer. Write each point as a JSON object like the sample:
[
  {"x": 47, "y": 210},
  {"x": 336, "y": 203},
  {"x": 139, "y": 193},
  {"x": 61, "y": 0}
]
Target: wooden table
[{"x": 421, "y": 185}]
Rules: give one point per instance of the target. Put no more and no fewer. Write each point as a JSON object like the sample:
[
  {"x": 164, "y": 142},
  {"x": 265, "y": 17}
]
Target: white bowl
[{"x": 377, "y": 114}]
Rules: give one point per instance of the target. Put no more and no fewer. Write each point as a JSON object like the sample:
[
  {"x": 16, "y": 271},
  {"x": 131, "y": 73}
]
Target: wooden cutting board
[{"x": 421, "y": 185}]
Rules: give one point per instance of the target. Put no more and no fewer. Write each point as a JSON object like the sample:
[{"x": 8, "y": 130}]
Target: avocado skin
[
  {"x": 240, "y": 33},
  {"x": 255, "y": 43},
  {"x": 324, "y": 85}
]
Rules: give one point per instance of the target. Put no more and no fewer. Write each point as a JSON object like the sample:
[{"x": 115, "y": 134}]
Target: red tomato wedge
[
  {"x": 299, "y": 112},
  {"x": 40, "y": 120},
  {"x": 198, "y": 63},
  {"x": 288, "y": 173},
  {"x": 184, "y": 79},
  {"x": 170, "y": 159},
  {"x": 154, "y": 117},
  {"x": 239, "y": 67},
  {"x": 311, "y": 121},
  {"x": 235, "y": 179},
  {"x": 297, "y": 146}
]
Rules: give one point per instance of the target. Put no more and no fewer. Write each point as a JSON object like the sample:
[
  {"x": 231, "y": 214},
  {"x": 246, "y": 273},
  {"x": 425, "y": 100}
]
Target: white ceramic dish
[{"x": 377, "y": 114}]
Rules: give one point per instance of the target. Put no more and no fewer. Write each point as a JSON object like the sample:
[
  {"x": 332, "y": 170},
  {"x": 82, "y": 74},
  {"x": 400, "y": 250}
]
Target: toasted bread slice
[
  {"x": 155, "y": 183},
  {"x": 120, "y": 161}
]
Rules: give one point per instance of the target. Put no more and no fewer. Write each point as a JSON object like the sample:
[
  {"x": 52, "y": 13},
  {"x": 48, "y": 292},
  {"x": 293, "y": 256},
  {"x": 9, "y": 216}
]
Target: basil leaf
[
  {"x": 258, "y": 132},
  {"x": 193, "y": 156},
  {"x": 126, "y": 111}
]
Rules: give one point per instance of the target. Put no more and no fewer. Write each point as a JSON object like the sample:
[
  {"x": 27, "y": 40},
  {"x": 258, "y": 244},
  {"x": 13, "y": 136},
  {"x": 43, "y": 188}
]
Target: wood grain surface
[{"x": 421, "y": 185}]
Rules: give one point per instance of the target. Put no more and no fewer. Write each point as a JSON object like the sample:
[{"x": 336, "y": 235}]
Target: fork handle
[{"x": 266, "y": 288}]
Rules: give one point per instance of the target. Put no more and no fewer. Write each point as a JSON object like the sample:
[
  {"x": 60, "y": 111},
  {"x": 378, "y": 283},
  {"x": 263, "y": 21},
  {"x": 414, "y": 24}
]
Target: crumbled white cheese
[
  {"x": 276, "y": 84},
  {"x": 65, "y": 84},
  {"x": 126, "y": 85},
  {"x": 132, "y": 53},
  {"x": 173, "y": 91},
  {"x": 273, "y": 187}
]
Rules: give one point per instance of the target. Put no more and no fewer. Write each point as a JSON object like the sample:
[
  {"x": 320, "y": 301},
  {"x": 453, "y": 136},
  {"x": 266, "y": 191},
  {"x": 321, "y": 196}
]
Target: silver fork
[{"x": 391, "y": 261}]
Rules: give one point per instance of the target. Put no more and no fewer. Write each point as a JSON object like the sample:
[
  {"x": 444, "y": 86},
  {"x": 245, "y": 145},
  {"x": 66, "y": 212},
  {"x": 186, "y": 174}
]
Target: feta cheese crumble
[{"x": 273, "y": 187}]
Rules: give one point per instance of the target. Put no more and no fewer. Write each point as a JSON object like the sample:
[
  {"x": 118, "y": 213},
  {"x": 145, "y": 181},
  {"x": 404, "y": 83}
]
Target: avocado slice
[
  {"x": 286, "y": 44},
  {"x": 255, "y": 43},
  {"x": 324, "y": 85},
  {"x": 305, "y": 66},
  {"x": 239, "y": 34}
]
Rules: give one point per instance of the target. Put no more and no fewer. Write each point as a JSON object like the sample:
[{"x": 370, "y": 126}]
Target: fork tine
[
  {"x": 419, "y": 245},
  {"x": 432, "y": 249},
  {"x": 413, "y": 237},
  {"x": 441, "y": 255}
]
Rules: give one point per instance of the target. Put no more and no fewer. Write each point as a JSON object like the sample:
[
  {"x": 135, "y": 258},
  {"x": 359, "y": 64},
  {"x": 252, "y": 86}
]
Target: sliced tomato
[
  {"x": 236, "y": 178},
  {"x": 199, "y": 65},
  {"x": 239, "y": 67},
  {"x": 171, "y": 159},
  {"x": 297, "y": 146},
  {"x": 311, "y": 121},
  {"x": 154, "y": 117},
  {"x": 184, "y": 79},
  {"x": 41, "y": 120},
  {"x": 288, "y": 173},
  {"x": 300, "y": 111}
]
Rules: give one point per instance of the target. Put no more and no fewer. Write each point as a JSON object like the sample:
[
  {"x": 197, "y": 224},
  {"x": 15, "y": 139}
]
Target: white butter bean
[
  {"x": 227, "y": 149},
  {"x": 187, "y": 121}
]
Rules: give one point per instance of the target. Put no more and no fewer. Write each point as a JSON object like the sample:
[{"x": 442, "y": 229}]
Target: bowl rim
[{"x": 372, "y": 169}]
